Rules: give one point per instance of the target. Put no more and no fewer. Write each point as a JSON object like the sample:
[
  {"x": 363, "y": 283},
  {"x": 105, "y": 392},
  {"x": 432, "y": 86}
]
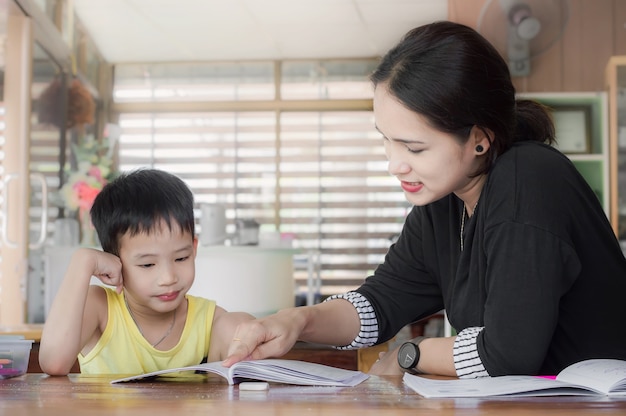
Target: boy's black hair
[{"x": 135, "y": 202}]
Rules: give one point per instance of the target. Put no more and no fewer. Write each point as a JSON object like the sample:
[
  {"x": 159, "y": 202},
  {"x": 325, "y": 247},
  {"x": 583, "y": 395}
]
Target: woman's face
[{"x": 429, "y": 164}]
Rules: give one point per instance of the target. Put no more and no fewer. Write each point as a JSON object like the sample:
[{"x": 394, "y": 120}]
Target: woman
[{"x": 505, "y": 235}]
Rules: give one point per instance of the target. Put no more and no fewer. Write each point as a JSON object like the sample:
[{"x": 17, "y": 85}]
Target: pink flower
[
  {"x": 91, "y": 172},
  {"x": 86, "y": 194},
  {"x": 96, "y": 172}
]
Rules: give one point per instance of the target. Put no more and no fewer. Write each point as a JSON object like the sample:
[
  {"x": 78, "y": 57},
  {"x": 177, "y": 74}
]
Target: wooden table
[{"x": 37, "y": 394}]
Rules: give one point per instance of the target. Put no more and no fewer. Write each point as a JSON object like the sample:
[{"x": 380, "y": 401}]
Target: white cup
[{"x": 212, "y": 224}]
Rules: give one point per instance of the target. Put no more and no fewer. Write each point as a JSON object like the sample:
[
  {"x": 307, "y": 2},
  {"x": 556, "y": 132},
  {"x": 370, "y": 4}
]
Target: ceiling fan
[{"x": 523, "y": 29}]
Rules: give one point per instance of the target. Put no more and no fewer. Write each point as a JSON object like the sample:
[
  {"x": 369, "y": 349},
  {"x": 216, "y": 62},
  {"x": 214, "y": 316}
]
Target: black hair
[
  {"x": 136, "y": 202},
  {"x": 451, "y": 75}
]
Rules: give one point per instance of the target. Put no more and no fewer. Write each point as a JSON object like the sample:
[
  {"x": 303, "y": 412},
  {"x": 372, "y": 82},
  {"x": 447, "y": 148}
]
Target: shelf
[
  {"x": 594, "y": 165},
  {"x": 616, "y": 88}
]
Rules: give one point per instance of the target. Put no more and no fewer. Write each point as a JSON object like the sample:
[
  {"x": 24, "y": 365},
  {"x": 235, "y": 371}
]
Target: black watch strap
[{"x": 409, "y": 354}]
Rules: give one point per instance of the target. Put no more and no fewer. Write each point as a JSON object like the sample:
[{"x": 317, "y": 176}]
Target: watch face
[{"x": 408, "y": 355}]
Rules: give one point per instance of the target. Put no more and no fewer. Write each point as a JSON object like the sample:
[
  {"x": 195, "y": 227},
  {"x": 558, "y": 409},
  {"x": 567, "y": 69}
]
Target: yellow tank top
[{"x": 123, "y": 350}]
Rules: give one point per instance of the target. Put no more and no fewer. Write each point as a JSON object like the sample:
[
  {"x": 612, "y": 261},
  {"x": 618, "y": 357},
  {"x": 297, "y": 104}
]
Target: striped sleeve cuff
[
  {"x": 466, "y": 359},
  {"x": 368, "y": 334}
]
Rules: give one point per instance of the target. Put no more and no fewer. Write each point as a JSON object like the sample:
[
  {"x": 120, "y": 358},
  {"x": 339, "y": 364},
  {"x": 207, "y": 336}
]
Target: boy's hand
[{"x": 106, "y": 267}]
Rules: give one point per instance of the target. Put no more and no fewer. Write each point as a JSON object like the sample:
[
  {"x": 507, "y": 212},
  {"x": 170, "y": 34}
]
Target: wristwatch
[{"x": 409, "y": 355}]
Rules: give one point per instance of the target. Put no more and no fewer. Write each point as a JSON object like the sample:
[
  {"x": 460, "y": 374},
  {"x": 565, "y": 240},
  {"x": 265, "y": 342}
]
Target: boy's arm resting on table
[
  {"x": 78, "y": 311},
  {"x": 335, "y": 322}
]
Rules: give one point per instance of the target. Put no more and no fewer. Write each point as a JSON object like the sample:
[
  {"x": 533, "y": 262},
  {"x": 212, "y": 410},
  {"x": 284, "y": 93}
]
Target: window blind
[{"x": 313, "y": 168}]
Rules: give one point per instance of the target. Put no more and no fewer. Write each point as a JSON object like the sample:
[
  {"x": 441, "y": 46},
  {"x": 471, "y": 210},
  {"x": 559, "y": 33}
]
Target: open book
[
  {"x": 589, "y": 377},
  {"x": 272, "y": 370}
]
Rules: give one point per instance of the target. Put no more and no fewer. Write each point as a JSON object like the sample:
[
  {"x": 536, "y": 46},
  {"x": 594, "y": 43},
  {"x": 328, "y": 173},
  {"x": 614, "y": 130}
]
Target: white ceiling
[{"x": 201, "y": 30}]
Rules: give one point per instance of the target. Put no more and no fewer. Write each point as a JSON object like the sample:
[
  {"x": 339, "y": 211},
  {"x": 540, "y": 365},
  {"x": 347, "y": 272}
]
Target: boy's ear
[{"x": 195, "y": 245}]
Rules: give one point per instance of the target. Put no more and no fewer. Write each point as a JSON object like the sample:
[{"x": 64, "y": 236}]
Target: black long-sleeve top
[{"x": 541, "y": 273}]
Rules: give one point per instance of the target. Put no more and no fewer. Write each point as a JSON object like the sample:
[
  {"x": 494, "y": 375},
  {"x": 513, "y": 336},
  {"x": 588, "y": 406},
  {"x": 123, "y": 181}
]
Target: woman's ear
[{"x": 481, "y": 139}]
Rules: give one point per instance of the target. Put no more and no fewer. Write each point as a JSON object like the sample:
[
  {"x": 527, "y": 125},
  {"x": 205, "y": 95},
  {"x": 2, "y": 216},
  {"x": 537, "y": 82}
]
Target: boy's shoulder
[
  {"x": 199, "y": 300},
  {"x": 99, "y": 298},
  {"x": 198, "y": 306},
  {"x": 102, "y": 292}
]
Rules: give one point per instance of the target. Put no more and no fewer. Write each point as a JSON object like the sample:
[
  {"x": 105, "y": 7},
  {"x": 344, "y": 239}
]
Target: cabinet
[
  {"x": 616, "y": 89},
  {"x": 253, "y": 279},
  {"x": 581, "y": 124}
]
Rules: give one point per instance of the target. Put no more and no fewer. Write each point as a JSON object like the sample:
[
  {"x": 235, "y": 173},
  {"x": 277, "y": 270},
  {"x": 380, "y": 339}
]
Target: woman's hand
[
  {"x": 335, "y": 322},
  {"x": 272, "y": 336},
  {"x": 387, "y": 364}
]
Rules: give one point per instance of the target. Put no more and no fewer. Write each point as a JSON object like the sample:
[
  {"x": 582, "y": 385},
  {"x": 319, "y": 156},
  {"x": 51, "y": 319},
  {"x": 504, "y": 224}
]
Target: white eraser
[{"x": 254, "y": 386}]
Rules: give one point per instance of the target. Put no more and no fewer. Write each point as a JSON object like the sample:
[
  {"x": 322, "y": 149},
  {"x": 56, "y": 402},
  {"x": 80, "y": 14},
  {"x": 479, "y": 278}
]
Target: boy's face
[{"x": 158, "y": 268}]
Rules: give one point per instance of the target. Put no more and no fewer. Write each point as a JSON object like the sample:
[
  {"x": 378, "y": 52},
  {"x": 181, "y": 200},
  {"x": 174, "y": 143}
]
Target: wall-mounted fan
[{"x": 523, "y": 29}]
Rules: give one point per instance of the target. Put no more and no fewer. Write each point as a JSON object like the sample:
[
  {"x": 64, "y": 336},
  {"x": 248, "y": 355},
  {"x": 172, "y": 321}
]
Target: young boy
[{"x": 145, "y": 223}]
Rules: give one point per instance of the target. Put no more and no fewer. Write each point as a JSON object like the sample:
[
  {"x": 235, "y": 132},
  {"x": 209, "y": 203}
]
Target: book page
[
  {"x": 215, "y": 367},
  {"x": 297, "y": 372},
  {"x": 273, "y": 370},
  {"x": 605, "y": 375},
  {"x": 492, "y": 386}
]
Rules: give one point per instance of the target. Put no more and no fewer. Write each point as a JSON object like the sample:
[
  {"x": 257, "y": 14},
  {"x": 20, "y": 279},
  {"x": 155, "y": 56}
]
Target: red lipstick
[{"x": 411, "y": 187}]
